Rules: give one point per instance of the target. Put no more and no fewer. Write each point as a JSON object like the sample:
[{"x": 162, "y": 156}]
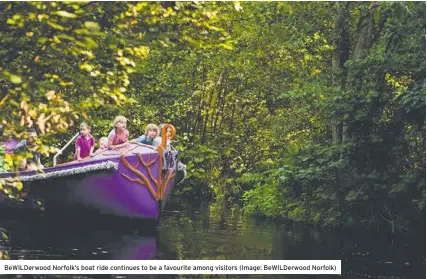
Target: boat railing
[{"x": 63, "y": 148}]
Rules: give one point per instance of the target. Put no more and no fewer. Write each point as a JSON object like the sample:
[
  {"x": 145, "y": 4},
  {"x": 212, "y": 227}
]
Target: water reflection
[
  {"x": 41, "y": 240},
  {"x": 206, "y": 232}
]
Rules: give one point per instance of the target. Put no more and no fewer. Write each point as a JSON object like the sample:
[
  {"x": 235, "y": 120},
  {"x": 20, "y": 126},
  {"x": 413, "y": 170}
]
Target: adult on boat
[
  {"x": 33, "y": 163},
  {"x": 158, "y": 140},
  {"x": 118, "y": 137}
]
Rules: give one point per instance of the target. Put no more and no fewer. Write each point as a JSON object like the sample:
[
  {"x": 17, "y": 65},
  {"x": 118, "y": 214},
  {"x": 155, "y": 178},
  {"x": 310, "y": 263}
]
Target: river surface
[{"x": 206, "y": 231}]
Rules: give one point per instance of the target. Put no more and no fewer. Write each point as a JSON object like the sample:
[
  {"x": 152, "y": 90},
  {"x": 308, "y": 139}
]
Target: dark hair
[{"x": 31, "y": 130}]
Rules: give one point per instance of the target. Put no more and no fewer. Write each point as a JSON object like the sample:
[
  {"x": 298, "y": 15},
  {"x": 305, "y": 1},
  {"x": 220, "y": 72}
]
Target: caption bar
[{"x": 169, "y": 267}]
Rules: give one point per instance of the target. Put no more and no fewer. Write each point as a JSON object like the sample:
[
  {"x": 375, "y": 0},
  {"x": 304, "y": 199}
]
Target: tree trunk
[
  {"x": 363, "y": 42},
  {"x": 207, "y": 110},
  {"x": 199, "y": 111},
  {"x": 339, "y": 57}
]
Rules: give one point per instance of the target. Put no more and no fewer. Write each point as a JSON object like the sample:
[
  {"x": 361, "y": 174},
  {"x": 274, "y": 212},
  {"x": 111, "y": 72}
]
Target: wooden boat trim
[{"x": 145, "y": 181}]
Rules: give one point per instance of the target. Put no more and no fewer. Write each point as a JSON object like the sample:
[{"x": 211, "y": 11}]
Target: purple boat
[{"x": 134, "y": 181}]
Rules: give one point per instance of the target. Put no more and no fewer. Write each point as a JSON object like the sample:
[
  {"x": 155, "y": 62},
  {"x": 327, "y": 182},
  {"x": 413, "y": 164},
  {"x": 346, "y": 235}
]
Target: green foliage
[
  {"x": 266, "y": 197},
  {"x": 203, "y": 173},
  {"x": 66, "y": 60},
  {"x": 2, "y": 159},
  {"x": 312, "y": 111},
  {"x": 355, "y": 146}
]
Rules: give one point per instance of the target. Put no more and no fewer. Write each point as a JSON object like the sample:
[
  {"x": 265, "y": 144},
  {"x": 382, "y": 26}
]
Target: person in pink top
[
  {"x": 118, "y": 137},
  {"x": 85, "y": 143}
]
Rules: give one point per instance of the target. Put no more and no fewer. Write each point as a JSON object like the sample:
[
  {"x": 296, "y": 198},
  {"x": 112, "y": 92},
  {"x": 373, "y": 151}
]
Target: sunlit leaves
[
  {"x": 92, "y": 26},
  {"x": 2, "y": 160},
  {"x": 65, "y": 14},
  {"x": 13, "y": 78},
  {"x": 55, "y": 25}
]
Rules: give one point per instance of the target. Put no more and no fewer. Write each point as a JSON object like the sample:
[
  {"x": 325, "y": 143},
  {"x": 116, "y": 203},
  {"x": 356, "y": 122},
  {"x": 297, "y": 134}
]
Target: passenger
[
  {"x": 151, "y": 132},
  {"x": 158, "y": 140},
  {"x": 103, "y": 145},
  {"x": 118, "y": 137},
  {"x": 85, "y": 143},
  {"x": 32, "y": 163}
]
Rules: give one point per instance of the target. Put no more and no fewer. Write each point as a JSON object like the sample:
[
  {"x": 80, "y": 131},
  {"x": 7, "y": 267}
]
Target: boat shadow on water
[{"x": 39, "y": 239}]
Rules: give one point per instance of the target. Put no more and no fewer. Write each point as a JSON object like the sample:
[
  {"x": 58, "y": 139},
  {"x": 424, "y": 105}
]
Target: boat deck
[{"x": 100, "y": 157}]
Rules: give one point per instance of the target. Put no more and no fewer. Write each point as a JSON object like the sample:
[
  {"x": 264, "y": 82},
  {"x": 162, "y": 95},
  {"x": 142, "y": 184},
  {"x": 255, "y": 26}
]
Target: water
[{"x": 190, "y": 232}]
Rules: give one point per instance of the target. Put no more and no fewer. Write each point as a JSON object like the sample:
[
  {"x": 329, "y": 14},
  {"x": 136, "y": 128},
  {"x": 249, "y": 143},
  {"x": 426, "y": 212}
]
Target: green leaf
[
  {"x": 65, "y": 36},
  {"x": 15, "y": 79},
  {"x": 19, "y": 186},
  {"x": 42, "y": 40},
  {"x": 65, "y": 14},
  {"x": 56, "y": 25},
  {"x": 3, "y": 235},
  {"x": 91, "y": 43},
  {"x": 92, "y": 26},
  {"x": 227, "y": 46}
]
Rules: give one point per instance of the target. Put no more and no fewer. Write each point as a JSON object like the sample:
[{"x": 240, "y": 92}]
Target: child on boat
[
  {"x": 103, "y": 145},
  {"x": 118, "y": 137},
  {"x": 151, "y": 132},
  {"x": 85, "y": 143}
]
